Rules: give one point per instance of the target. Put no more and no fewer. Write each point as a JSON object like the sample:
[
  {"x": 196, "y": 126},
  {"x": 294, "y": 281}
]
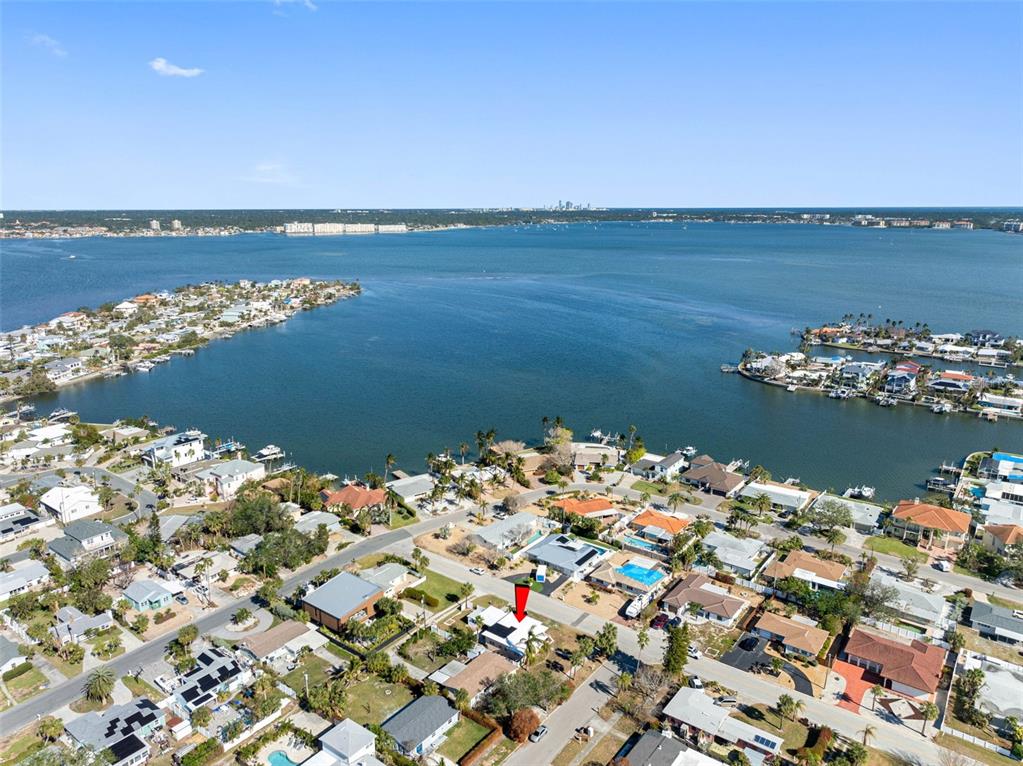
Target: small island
[{"x": 141, "y": 332}]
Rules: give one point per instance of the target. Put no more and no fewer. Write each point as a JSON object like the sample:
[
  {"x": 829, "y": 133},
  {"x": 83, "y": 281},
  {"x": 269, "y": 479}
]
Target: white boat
[
  {"x": 269, "y": 452},
  {"x": 143, "y": 366},
  {"x": 791, "y": 387},
  {"x": 840, "y": 393},
  {"x": 862, "y": 492},
  {"x": 59, "y": 414},
  {"x": 688, "y": 451},
  {"x": 941, "y": 407}
]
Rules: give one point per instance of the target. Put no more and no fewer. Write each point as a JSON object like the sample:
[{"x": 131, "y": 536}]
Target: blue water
[
  {"x": 639, "y": 542},
  {"x": 279, "y": 758},
  {"x": 648, "y": 577},
  {"x": 605, "y": 325}
]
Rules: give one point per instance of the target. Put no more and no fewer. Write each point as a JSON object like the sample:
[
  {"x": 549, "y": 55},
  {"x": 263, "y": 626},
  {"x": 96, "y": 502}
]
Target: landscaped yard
[
  {"x": 141, "y": 688},
  {"x": 894, "y": 547},
  {"x": 763, "y": 717},
  {"x": 462, "y": 738},
  {"x": 402, "y": 517},
  {"x": 374, "y": 700},
  {"x": 442, "y": 588},
  {"x": 973, "y": 751},
  {"x": 26, "y": 685},
  {"x": 649, "y": 487},
  {"x": 315, "y": 667}
]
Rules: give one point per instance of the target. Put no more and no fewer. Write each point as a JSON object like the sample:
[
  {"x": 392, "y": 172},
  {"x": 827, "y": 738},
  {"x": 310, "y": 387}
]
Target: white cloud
[
  {"x": 166, "y": 69},
  {"x": 307, "y": 4},
  {"x": 48, "y": 43},
  {"x": 277, "y": 173}
]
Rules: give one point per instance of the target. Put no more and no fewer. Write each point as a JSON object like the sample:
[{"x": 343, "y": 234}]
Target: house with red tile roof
[
  {"x": 915, "y": 521},
  {"x": 998, "y": 537},
  {"x": 595, "y": 508},
  {"x": 665, "y": 523},
  {"x": 354, "y": 496},
  {"x": 912, "y": 669}
]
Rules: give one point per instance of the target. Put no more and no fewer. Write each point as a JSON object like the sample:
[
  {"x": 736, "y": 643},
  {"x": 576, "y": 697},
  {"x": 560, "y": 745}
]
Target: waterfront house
[
  {"x": 997, "y": 538},
  {"x": 474, "y": 677},
  {"x": 145, "y": 595},
  {"x": 1002, "y": 502},
  {"x": 1002, "y": 405},
  {"x": 414, "y": 489},
  {"x": 176, "y": 450},
  {"x": 573, "y": 557},
  {"x": 509, "y": 533},
  {"x": 354, "y": 497},
  {"x": 865, "y": 515},
  {"x": 419, "y": 727},
  {"x": 713, "y": 477},
  {"x": 912, "y": 669},
  {"x": 120, "y": 731},
  {"x": 216, "y": 672},
  {"x": 70, "y": 503},
  {"x": 916, "y": 521},
  {"x": 700, "y": 718},
  {"x": 24, "y": 576},
  {"x": 500, "y": 629},
  {"x": 17, "y": 521},
  {"x": 225, "y": 479},
  {"x": 785, "y": 498},
  {"x": 858, "y": 374},
  {"x": 666, "y": 468},
  {"x": 1002, "y": 466},
  {"x": 126, "y": 308},
  {"x": 342, "y": 598},
  {"x": 951, "y": 382},
  {"x": 996, "y": 623},
  {"x": 72, "y": 625},
  {"x": 807, "y": 568},
  {"x": 84, "y": 540},
  {"x": 900, "y": 383},
  {"x": 741, "y": 556},
  {"x": 346, "y": 744},
  {"x": 64, "y": 369},
  {"x": 713, "y": 602},
  {"x": 794, "y": 635}
]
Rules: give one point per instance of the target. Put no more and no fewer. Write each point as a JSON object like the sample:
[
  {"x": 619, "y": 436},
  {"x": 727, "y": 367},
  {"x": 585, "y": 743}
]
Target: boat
[
  {"x": 143, "y": 366},
  {"x": 791, "y": 387},
  {"x": 25, "y": 411},
  {"x": 269, "y": 452},
  {"x": 688, "y": 451},
  {"x": 729, "y": 368},
  {"x": 941, "y": 407},
  {"x": 862, "y": 492},
  {"x": 59, "y": 414},
  {"x": 886, "y": 401},
  {"x": 840, "y": 393},
  {"x": 940, "y": 484}
]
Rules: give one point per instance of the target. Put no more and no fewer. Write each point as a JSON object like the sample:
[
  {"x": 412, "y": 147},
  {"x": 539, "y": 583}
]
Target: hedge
[
  {"x": 202, "y": 754},
  {"x": 18, "y": 670},
  {"x": 414, "y": 594},
  {"x": 483, "y": 746}
]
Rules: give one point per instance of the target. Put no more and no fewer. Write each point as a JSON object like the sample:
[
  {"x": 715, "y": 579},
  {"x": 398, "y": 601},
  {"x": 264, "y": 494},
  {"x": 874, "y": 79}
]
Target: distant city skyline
[{"x": 364, "y": 105}]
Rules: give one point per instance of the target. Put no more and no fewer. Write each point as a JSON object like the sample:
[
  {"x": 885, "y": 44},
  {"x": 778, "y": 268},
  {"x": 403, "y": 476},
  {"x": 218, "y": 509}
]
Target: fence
[{"x": 979, "y": 742}]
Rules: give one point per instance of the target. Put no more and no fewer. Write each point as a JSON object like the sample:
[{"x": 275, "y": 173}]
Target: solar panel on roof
[
  {"x": 501, "y": 630},
  {"x": 587, "y": 556},
  {"x": 763, "y": 741}
]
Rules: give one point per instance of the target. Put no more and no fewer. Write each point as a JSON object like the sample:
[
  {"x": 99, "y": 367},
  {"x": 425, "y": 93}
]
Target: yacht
[
  {"x": 688, "y": 451},
  {"x": 143, "y": 366},
  {"x": 59, "y": 414},
  {"x": 941, "y": 408},
  {"x": 269, "y": 452},
  {"x": 862, "y": 492},
  {"x": 840, "y": 393}
]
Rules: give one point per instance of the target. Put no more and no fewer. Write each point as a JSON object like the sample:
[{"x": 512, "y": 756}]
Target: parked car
[
  {"x": 943, "y": 565},
  {"x": 694, "y": 653},
  {"x": 727, "y": 701},
  {"x": 695, "y": 682},
  {"x": 539, "y": 734},
  {"x": 477, "y": 571},
  {"x": 181, "y": 598},
  {"x": 748, "y": 644},
  {"x": 659, "y": 621}
]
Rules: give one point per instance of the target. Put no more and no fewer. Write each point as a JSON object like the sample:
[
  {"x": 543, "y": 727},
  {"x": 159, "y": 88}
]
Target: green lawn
[
  {"x": 894, "y": 547},
  {"x": 21, "y": 748},
  {"x": 26, "y": 685},
  {"x": 462, "y": 738},
  {"x": 339, "y": 652},
  {"x": 374, "y": 700},
  {"x": 444, "y": 589},
  {"x": 978, "y": 753},
  {"x": 402, "y": 518},
  {"x": 83, "y": 705},
  {"x": 316, "y": 667},
  {"x": 141, "y": 688},
  {"x": 761, "y": 716},
  {"x": 649, "y": 487},
  {"x": 1005, "y": 603}
]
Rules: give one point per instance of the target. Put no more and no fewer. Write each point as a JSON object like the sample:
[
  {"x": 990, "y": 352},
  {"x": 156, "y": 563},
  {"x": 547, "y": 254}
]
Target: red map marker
[{"x": 521, "y": 594}]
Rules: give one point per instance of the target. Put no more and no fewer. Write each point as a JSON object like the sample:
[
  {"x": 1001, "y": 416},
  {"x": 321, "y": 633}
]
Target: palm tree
[
  {"x": 643, "y": 640},
  {"x": 388, "y": 465},
  {"x": 462, "y": 699},
  {"x": 465, "y": 590},
  {"x": 876, "y": 691},
  {"x": 241, "y": 617},
  {"x": 868, "y": 733},
  {"x": 834, "y": 536},
  {"x": 533, "y": 643},
  {"x": 785, "y": 708},
  {"x": 50, "y": 728},
  {"x": 624, "y": 682},
  {"x": 928, "y": 711},
  {"x": 99, "y": 684},
  {"x": 676, "y": 499}
]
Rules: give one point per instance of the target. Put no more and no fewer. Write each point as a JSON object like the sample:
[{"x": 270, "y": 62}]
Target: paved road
[
  {"x": 52, "y": 699},
  {"x": 146, "y": 498}
]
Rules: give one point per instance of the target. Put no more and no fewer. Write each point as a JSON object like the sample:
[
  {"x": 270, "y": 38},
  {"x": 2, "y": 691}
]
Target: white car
[
  {"x": 695, "y": 682},
  {"x": 478, "y": 571},
  {"x": 694, "y": 653}
]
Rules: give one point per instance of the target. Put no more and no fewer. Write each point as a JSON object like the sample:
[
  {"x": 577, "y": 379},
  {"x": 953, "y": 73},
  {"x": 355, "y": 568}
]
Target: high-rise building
[
  {"x": 154, "y": 225},
  {"x": 175, "y": 225}
]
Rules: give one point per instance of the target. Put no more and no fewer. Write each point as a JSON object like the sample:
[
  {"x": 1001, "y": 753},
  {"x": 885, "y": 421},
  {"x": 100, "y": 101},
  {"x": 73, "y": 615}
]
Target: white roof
[
  {"x": 413, "y": 486},
  {"x": 65, "y": 497},
  {"x": 791, "y": 497},
  {"x": 502, "y": 628}
]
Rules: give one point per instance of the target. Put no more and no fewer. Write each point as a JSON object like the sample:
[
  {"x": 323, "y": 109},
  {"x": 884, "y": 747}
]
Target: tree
[
  {"x": 201, "y": 717},
  {"x": 465, "y": 590},
  {"x": 876, "y": 692},
  {"x": 833, "y": 536},
  {"x": 676, "y": 651},
  {"x": 868, "y": 733},
  {"x": 624, "y": 682},
  {"x": 462, "y": 701},
  {"x": 523, "y": 723},
  {"x": 909, "y": 567},
  {"x": 607, "y": 640},
  {"x": 241, "y": 617},
  {"x": 50, "y": 729},
  {"x": 99, "y": 685},
  {"x": 829, "y": 514},
  {"x": 928, "y": 712},
  {"x": 643, "y": 640},
  {"x": 956, "y": 640}
]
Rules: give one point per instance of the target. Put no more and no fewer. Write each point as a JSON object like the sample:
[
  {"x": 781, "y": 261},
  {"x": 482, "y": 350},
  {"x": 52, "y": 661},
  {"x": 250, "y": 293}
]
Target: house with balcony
[
  {"x": 84, "y": 540},
  {"x": 916, "y": 522}
]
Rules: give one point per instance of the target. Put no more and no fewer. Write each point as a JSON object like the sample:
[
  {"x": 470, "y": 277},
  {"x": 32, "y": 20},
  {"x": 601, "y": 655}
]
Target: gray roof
[
  {"x": 564, "y": 552},
  {"x": 236, "y": 467},
  {"x": 995, "y": 617},
  {"x": 509, "y": 530},
  {"x": 8, "y": 651},
  {"x": 383, "y": 575},
  {"x": 655, "y": 749},
  {"x": 413, "y": 486},
  {"x": 348, "y": 738},
  {"x": 84, "y": 529},
  {"x": 242, "y": 545},
  {"x": 169, "y": 525},
  {"x": 342, "y": 594},
  {"x": 418, "y": 720},
  {"x": 310, "y": 522},
  {"x": 100, "y": 730},
  {"x": 141, "y": 591}
]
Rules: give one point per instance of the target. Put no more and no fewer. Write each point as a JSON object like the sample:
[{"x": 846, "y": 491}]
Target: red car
[{"x": 659, "y": 621}]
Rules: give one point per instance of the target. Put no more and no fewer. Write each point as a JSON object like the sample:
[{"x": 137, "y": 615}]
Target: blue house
[{"x": 144, "y": 595}]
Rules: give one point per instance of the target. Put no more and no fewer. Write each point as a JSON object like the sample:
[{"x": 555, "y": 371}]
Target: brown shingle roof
[
  {"x": 690, "y": 590},
  {"x": 917, "y": 664},
  {"x": 481, "y": 673},
  {"x": 830, "y": 570},
  {"x": 933, "y": 516},
  {"x": 263, "y": 644},
  {"x": 714, "y": 475},
  {"x": 805, "y": 637}
]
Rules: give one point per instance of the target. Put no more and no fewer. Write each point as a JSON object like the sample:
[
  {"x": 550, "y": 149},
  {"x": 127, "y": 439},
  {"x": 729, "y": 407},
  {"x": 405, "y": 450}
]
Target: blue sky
[{"x": 264, "y": 104}]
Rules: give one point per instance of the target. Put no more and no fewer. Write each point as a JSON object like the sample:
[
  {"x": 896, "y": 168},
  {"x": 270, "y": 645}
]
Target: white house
[
  {"x": 176, "y": 450},
  {"x": 24, "y": 576},
  {"x": 227, "y": 478},
  {"x": 784, "y": 497},
  {"x": 346, "y": 744},
  {"x": 70, "y": 503}
]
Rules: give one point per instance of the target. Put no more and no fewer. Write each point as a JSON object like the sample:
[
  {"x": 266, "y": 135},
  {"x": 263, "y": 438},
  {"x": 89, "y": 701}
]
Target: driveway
[{"x": 746, "y": 660}]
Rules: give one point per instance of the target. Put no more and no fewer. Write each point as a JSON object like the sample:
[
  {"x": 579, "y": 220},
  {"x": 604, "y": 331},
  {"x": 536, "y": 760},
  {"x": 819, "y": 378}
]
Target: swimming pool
[
  {"x": 639, "y": 542},
  {"x": 279, "y": 758},
  {"x": 648, "y": 577}
]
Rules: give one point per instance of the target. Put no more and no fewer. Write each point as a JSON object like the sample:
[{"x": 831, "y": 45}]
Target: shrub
[
  {"x": 17, "y": 670},
  {"x": 523, "y": 723},
  {"x": 419, "y": 596},
  {"x": 203, "y": 753}
]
